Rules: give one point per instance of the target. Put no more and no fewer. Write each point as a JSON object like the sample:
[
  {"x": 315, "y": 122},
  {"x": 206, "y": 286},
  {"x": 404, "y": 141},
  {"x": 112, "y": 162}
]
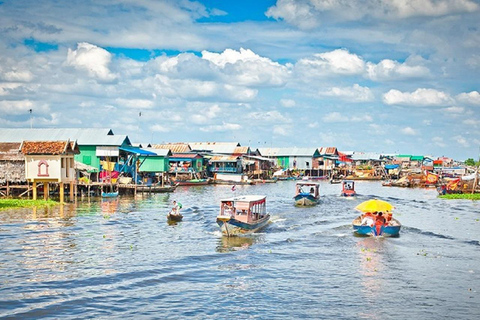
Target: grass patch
[
  {"x": 468, "y": 196},
  {"x": 24, "y": 203}
]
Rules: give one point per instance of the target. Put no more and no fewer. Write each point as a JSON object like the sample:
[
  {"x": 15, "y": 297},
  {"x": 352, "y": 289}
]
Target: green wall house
[{"x": 159, "y": 162}]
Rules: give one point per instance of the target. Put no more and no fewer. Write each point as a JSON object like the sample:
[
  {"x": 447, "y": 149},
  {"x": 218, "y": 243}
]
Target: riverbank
[{"x": 23, "y": 203}]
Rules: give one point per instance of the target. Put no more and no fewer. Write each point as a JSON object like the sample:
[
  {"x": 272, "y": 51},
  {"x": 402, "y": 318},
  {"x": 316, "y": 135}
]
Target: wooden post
[
  {"x": 8, "y": 188},
  {"x": 62, "y": 193},
  {"x": 475, "y": 181},
  {"x": 72, "y": 191},
  {"x": 46, "y": 191},
  {"x": 34, "y": 190}
]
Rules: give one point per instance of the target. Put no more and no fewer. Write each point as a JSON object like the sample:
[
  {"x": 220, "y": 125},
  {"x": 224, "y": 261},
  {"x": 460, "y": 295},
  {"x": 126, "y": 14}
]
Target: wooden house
[
  {"x": 292, "y": 158},
  {"x": 50, "y": 162}
]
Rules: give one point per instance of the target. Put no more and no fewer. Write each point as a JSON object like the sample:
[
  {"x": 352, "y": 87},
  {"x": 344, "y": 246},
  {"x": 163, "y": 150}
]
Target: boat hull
[
  {"x": 194, "y": 182},
  {"x": 386, "y": 231},
  {"x": 233, "y": 227},
  {"x": 109, "y": 194},
  {"x": 305, "y": 200},
  {"x": 174, "y": 217},
  {"x": 348, "y": 193}
]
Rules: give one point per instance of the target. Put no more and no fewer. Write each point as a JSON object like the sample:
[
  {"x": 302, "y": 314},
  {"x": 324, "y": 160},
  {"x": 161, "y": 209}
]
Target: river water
[{"x": 112, "y": 259}]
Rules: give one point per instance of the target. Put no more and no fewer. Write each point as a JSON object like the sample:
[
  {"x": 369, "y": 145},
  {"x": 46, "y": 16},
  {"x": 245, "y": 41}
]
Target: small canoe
[{"x": 391, "y": 230}]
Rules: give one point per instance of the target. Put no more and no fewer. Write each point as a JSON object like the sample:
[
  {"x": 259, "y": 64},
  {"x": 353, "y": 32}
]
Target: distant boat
[
  {"x": 192, "y": 182},
  {"x": 307, "y": 193},
  {"x": 156, "y": 188},
  {"x": 348, "y": 188},
  {"x": 243, "y": 215},
  {"x": 109, "y": 194}
]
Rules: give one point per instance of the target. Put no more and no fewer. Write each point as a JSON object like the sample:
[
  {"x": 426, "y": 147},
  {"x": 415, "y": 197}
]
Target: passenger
[
  {"x": 176, "y": 207},
  {"x": 379, "y": 223},
  {"x": 388, "y": 218},
  {"x": 312, "y": 190},
  {"x": 368, "y": 219}
]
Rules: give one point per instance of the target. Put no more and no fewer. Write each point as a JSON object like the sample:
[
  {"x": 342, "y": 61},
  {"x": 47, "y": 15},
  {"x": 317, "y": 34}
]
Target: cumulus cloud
[
  {"x": 135, "y": 103},
  {"x": 356, "y": 93},
  {"x": 409, "y": 131},
  {"x": 280, "y": 130},
  {"x": 420, "y": 97},
  {"x": 340, "y": 62},
  {"x": 308, "y": 14},
  {"x": 439, "y": 142},
  {"x": 91, "y": 59},
  {"x": 19, "y": 107},
  {"x": 393, "y": 70},
  {"x": 272, "y": 116},
  {"x": 461, "y": 141},
  {"x": 159, "y": 128},
  {"x": 454, "y": 109},
  {"x": 471, "y": 98},
  {"x": 246, "y": 68}
]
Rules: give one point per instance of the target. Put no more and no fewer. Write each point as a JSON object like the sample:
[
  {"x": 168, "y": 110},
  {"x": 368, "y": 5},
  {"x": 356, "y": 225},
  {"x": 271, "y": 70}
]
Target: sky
[{"x": 385, "y": 76}]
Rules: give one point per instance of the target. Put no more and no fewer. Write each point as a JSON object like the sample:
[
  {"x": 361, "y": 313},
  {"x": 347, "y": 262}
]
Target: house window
[{"x": 43, "y": 169}]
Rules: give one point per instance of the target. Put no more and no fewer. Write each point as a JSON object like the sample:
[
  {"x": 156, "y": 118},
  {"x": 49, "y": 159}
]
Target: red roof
[{"x": 49, "y": 147}]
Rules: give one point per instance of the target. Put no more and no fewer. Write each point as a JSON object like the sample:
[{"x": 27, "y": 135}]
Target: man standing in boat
[{"x": 176, "y": 207}]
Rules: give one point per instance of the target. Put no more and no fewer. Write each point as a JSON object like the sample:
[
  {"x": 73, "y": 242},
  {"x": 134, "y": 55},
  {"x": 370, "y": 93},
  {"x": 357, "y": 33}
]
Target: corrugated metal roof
[
  {"x": 159, "y": 152},
  {"x": 224, "y": 158},
  {"x": 215, "y": 147},
  {"x": 327, "y": 150},
  {"x": 185, "y": 156},
  {"x": 365, "y": 156},
  {"x": 174, "y": 147},
  {"x": 84, "y": 136},
  {"x": 10, "y": 151},
  {"x": 241, "y": 150},
  {"x": 268, "y": 152},
  {"x": 294, "y": 151}
]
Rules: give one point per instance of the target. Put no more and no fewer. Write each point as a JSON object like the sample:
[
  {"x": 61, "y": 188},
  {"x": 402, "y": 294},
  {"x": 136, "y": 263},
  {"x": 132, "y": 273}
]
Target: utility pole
[{"x": 31, "y": 119}]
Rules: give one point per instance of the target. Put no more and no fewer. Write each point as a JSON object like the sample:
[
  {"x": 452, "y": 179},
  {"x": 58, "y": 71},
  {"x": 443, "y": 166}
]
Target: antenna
[{"x": 31, "y": 119}]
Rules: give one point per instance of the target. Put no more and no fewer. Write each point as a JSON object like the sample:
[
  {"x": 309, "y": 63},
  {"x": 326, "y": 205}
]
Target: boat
[
  {"x": 192, "y": 182},
  {"x": 334, "y": 181},
  {"x": 307, "y": 193},
  {"x": 156, "y": 188},
  {"x": 172, "y": 216},
  {"x": 348, "y": 188},
  {"x": 243, "y": 215},
  {"x": 376, "y": 219},
  {"x": 109, "y": 194},
  {"x": 392, "y": 229}
]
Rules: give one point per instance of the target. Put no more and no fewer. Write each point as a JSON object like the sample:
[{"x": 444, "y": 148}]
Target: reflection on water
[{"x": 103, "y": 258}]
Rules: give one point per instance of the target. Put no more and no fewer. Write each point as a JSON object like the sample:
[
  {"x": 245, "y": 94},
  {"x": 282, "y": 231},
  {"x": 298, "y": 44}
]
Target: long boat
[
  {"x": 243, "y": 215},
  {"x": 156, "y": 188},
  {"x": 391, "y": 229},
  {"x": 307, "y": 193},
  {"x": 348, "y": 188},
  {"x": 109, "y": 194},
  {"x": 192, "y": 182},
  {"x": 171, "y": 216}
]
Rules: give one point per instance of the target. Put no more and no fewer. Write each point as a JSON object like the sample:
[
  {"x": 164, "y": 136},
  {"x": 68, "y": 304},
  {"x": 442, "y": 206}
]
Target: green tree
[{"x": 470, "y": 162}]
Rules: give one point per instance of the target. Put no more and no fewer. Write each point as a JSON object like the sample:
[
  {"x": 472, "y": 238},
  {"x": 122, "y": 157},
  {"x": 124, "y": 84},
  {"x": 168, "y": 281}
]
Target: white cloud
[
  {"x": 355, "y": 93},
  {"x": 338, "y": 117},
  {"x": 308, "y": 14},
  {"x": 280, "y": 130},
  {"x": 272, "y": 116},
  {"x": 471, "y": 122},
  {"x": 222, "y": 128},
  {"x": 392, "y": 70},
  {"x": 439, "y": 142},
  {"x": 420, "y": 97},
  {"x": 454, "y": 109},
  {"x": 20, "y": 107},
  {"x": 159, "y": 128},
  {"x": 91, "y": 59},
  {"x": 246, "y": 68},
  {"x": 409, "y": 131},
  {"x": 135, "y": 103},
  {"x": 471, "y": 98},
  {"x": 427, "y": 122},
  {"x": 461, "y": 141},
  {"x": 340, "y": 62},
  {"x": 287, "y": 103}
]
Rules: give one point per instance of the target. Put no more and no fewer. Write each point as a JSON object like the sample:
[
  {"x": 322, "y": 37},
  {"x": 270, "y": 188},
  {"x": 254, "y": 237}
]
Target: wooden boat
[
  {"x": 334, "y": 181},
  {"x": 307, "y": 193},
  {"x": 391, "y": 229},
  {"x": 243, "y": 215},
  {"x": 172, "y": 216},
  {"x": 192, "y": 182},
  {"x": 348, "y": 188},
  {"x": 156, "y": 188},
  {"x": 109, "y": 194}
]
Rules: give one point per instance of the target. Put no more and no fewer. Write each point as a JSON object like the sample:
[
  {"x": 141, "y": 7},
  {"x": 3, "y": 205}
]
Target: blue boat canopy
[
  {"x": 391, "y": 166},
  {"x": 139, "y": 151}
]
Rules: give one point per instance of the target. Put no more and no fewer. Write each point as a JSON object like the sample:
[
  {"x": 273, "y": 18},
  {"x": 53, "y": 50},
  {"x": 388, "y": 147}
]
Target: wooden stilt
[
  {"x": 34, "y": 191},
  {"x": 46, "y": 191},
  {"x": 62, "y": 193},
  {"x": 72, "y": 190}
]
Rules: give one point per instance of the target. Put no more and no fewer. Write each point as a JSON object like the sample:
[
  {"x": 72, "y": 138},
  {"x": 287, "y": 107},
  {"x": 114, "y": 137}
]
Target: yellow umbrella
[{"x": 374, "y": 205}]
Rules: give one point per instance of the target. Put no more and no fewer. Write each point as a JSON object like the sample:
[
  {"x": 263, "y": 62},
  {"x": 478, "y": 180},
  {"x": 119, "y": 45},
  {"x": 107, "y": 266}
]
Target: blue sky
[{"x": 374, "y": 76}]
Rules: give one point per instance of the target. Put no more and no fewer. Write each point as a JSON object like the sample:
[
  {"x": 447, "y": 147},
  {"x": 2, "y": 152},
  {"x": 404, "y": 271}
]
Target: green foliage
[
  {"x": 471, "y": 162},
  {"x": 468, "y": 196},
  {"x": 23, "y": 203}
]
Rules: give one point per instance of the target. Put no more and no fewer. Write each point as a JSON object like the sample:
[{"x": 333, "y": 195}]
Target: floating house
[
  {"x": 293, "y": 158},
  {"x": 50, "y": 162}
]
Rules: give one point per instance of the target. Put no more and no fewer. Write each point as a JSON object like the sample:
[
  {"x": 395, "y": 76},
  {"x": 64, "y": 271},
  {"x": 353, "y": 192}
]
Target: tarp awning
[{"x": 139, "y": 151}]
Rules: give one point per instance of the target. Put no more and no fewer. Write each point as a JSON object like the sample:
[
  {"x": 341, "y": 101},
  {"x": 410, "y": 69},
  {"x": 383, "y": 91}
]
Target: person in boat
[
  {"x": 176, "y": 207},
  {"x": 312, "y": 190},
  {"x": 228, "y": 209},
  {"x": 368, "y": 219}
]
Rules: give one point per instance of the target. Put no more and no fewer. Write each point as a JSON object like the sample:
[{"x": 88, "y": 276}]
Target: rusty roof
[
  {"x": 224, "y": 158},
  {"x": 173, "y": 147},
  {"x": 241, "y": 150},
  {"x": 49, "y": 147},
  {"x": 10, "y": 151},
  {"x": 328, "y": 150}
]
